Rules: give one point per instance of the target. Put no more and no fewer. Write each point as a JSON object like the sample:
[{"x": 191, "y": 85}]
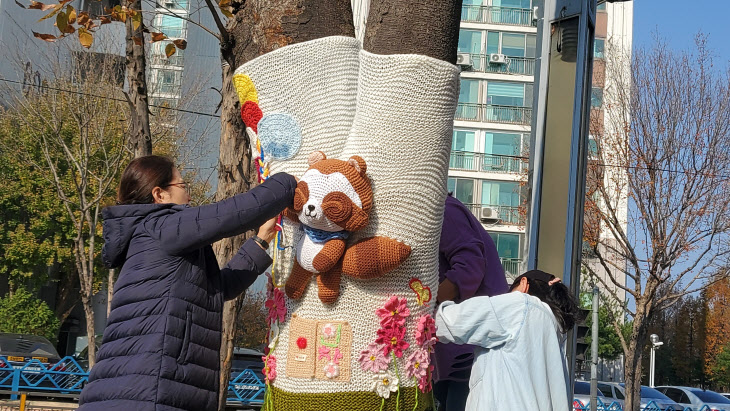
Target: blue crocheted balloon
[{"x": 280, "y": 136}]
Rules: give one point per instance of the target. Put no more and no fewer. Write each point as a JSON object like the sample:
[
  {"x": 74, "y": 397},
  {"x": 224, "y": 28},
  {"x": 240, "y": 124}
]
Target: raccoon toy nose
[{"x": 310, "y": 207}]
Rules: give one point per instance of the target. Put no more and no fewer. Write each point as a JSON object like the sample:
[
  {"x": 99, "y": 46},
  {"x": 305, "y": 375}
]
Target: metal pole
[
  {"x": 23, "y": 398},
  {"x": 594, "y": 352},
  {"x": 651, "y": 367}
]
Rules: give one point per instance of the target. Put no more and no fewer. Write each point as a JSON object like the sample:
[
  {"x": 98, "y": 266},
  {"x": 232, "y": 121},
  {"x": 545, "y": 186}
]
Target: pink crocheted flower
[
  {"x": 425, "y": 329},
  {"x": 269, "y": 370},
  {"x": 324, "y": 352},
  {"x": 424, "y": 383},
  {"x": 394, "y": 312},
  {"x": 331, "y": 370},
  {"x": 336, "y": 356},
  {"x": 329, "y": 330},
  {"x": 429, "y": 344},
  {"x": 391, "y": 338},
  {"x": 277, "y": 306},
  {"x": 373, "y": 359},
  {"x": 417, "y": 364}
]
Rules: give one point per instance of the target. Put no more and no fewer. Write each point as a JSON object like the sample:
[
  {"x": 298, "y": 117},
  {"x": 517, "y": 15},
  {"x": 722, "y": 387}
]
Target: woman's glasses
[{"x": 185, "y": 186}]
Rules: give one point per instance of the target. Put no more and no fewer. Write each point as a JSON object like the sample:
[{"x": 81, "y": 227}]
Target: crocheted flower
[
  {"x": 331, "y": 370},
  {"x": 373, "y": 359},
  {"x": 425, "y": 329},
  {"x": 336, "y": 356},
  {"x": 417, "y": 364},
  {"x": 391, "y": 338},
  {"x": 301, "y": 343},
  {"x": 394, "y": 312},
  {"x": 324, "y": 352},
  {"x": 384, "y": 383},
  {"x": 425, "y": 382},
  {"x": 429, "y": 344},
  {"x": 329, "y": 330},
  {"x": 277, "y": 306},
  {"x": 269, "y": 370}
]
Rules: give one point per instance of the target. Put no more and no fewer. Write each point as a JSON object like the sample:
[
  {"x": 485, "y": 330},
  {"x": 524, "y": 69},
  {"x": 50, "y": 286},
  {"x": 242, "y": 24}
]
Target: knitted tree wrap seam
[{"x": 400, "y": 123}]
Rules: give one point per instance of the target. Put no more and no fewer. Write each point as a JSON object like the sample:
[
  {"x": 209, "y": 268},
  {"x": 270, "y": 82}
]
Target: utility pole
[{"x": 594, "y": 351}]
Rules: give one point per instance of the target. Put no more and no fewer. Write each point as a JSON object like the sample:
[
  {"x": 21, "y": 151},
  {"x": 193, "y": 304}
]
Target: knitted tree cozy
[{"x": 370, "y": 348}]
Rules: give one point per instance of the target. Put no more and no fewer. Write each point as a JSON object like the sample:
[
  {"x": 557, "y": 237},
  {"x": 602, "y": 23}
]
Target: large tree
[{"x": 663, "y": 193}]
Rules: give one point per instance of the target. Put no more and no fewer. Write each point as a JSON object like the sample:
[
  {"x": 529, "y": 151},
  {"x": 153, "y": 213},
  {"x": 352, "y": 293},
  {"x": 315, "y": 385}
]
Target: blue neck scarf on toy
[{"x": 321, "y": 236}]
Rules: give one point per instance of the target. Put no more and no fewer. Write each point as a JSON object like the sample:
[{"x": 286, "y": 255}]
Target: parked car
[
  {"x": 726, "y": 395},
  {"x": 648, "y": 395},
  {"x": 582, "y": 393},
  {"x": 243, "y": 359},
  {"x": 696, "y": 398},
  {"x": 19, "y": 349},
  {"x": 82, "y": 358}
]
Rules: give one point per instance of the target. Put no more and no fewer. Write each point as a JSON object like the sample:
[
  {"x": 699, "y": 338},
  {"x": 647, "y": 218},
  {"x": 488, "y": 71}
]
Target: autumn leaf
[
  {"x": 224, "y": 3},
  {"x": 170, "y": 50},
  {"x": 136, "y": 20},
  {"x": 105, "y": 20},
  {"x": 137, "y": 40},
  {"x": 85, "y": 38},
  {"x": 62, "y": 22},
  {"x": 71, "y": 14},
  {"x": 157, "y": 37},
  {"x": 182, "y": 44},
  {"x": 83, "y": 18},
  {"x": 20, "y": 4},
  {"x": 45, "y": 37},
  {"x": 39, "y": 6},
  {"x": 227, "y": 13}
]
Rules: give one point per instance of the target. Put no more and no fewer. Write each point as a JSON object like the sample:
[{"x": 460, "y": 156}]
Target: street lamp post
[{"x": 655, "y": 344}]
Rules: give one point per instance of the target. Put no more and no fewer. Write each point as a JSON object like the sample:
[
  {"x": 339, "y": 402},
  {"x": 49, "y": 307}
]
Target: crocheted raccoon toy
[{"x": 334, "y": 198}]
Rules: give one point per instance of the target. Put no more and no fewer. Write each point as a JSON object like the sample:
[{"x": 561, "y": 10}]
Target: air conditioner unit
[
  {"x": 489, "y": 213},
  {"x": 496, "y": 58},
  {"x": 463, "y": 59}
]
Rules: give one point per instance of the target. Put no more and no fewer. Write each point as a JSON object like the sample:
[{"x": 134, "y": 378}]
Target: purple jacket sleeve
[
  {"x": 195, "y": 227},
  {"x": 250, "y": 261},
  {"x": 464, "y": 251}
]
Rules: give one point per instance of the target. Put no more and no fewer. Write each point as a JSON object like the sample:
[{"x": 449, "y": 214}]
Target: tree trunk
[
  {"x": 632, "y": 362},
  {"x": 86, "y": 276},
  {"x": 139, "y": 132},
  {"x": 260, "y": 26},
  {"x": 109, "y": 291},
  {"x": 428, "y": 27}
]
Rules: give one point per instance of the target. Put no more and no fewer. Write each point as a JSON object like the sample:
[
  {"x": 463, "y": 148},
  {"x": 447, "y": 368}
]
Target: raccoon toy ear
[
  {"x": 316, "y": 156},
  {"x": 359, "y": 164}
]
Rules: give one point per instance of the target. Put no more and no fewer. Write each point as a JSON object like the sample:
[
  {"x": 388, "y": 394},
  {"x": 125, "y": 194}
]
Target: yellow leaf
[
  {"x": 56, "y": 8},
  {"x": 62, "y": 21},
  {"x": 226, "y": 12},
  {"x": 224, "y": 3},
  {"x": 40, "y": 6},
  {"x": 157, "y": 37},
  {"x": 136, "y": 20},
  {"x": 85, "y": 37},
  {"x": 71, "y": 14},
  {"x": 170, "y": 50},
  {"x": 104, "y": 20},
  {"x": 46, "y": 37},
  {"x": 182, "y": 44}
]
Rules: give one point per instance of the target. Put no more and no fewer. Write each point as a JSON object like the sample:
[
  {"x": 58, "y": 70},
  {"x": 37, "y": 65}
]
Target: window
[
  {"x": 509, "y": 94},
  {"x": 596, "y": 97},
  {"x": 173, "y": 4},
  {"x": 508, "y": 245},
  {"x": 601, "y": 7},
  {"x": 511, "y": 44},
  {"x": 168, "y": 81},
  {"x": 463, "y": 141},
  {"x": 469, "y": 91},
  {"x": 172, "y": 26},
  {"x": 463, "y": 189},
  {"x": 500, "y": 193},
  {"x": 592, "y": 147},
  {"x": 598, "y": 48},
  {"x": 507, "y": 144},
  {"x": 470, "y": 41},
  {"x": 513, "y": 4}
]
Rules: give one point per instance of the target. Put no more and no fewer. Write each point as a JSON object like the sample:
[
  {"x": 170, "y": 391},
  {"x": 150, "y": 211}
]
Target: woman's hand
[{"x": 267, "y": 231}]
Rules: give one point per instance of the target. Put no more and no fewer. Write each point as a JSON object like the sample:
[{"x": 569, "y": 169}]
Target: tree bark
[
  {"x": 259, "y": 26},
  {"x": 139, "y": 132},
  {"x": 428, "y": 27}
]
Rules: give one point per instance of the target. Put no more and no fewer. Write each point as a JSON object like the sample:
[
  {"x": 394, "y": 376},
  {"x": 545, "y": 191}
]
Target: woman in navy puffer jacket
[{"x": 162, "y": 341}]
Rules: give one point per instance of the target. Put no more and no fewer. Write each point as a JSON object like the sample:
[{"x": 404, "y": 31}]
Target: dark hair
[
  {"x": 557, "y": 296},
  {"x": 141, "y": 176}
]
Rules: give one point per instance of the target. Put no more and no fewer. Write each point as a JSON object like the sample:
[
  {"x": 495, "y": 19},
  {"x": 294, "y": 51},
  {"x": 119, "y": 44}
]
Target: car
[
  {"x": 82, "y": 358},
  {"x": 582, "y": 393},
  {"x": 726, "y": 395},
  {"x": 648, "y": 395},
  {"x": 18, "y": 349},
  {"x": 244, "y": 387},
  {"x": 246, "y": 358},
  {"x": 695, "y": 398}
]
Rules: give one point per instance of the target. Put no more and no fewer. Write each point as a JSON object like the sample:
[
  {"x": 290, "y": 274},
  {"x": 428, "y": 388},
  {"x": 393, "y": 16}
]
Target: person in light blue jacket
[{"x": 520, "y": 362}]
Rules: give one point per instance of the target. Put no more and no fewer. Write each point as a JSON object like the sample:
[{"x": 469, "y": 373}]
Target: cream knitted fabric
[{"x": 402, "y": 128}]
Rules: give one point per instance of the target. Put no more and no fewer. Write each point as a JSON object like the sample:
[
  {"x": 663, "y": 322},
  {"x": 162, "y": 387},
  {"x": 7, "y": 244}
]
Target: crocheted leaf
[{"x": 374, "y": 257}]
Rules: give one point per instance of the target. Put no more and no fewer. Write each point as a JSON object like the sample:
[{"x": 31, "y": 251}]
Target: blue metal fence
[
  {"x": 614, "y": 406},
  {"x": 68, "y": 377}
]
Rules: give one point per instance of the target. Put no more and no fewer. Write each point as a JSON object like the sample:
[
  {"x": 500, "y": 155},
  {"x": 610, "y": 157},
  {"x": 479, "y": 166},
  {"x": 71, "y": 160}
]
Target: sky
[{"x": 679, "y": 21}]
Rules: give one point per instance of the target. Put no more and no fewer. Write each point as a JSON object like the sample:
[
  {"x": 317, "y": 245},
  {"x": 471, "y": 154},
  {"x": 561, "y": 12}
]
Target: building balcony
[
  {"x": 161, "y": 60},
  {"x": 508, "y": 215},
  {"x": 490, "y": 113},
  {"x": 515, "y": 65},
  {"x": 464, "y": 160},
  {"x": 512, "y": 266},
  {"x": 497, "y": 15}
]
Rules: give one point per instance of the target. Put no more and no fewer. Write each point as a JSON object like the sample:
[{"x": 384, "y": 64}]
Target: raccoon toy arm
[
  {"x": 373, "y": 257},
  {"x": 329, "y": 255}
]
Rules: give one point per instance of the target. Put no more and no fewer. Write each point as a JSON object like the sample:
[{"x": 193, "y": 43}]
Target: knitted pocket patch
[
  {"x": 301, "y": 361},
  {"x": 319, "y": 349}
]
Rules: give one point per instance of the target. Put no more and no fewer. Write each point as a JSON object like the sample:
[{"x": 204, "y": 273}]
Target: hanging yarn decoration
[{"x": 280, "y": 135}]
